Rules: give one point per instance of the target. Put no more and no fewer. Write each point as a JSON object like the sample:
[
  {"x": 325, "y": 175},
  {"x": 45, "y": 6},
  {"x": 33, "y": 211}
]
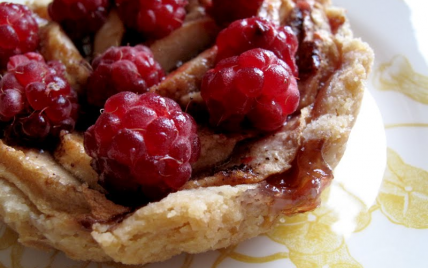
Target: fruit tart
[{"x": 133, "y": 131}]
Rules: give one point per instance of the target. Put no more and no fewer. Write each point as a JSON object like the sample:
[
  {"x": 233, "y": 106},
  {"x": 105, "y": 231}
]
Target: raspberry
[
  {"x": 255, "y": 87},
  {"x": 142, "y": 146},
  {"x": 251, "y": 33},
  {"x": 122, "y": 69},
  {"x": 18, "y": 31},
  {"x": 79, "y": 18},
  {"x": 36, "y": 99},
  {"x": 227, "y": 11},
  {"x": 153, "y": 18}
]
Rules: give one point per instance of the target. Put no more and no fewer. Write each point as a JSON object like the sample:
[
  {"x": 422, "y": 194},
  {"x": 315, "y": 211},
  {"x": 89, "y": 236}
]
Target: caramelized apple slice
[
  {"x": 110, "y": 34},
  {"x": 51, "y": 188},
  {"x": 182, "y": 85},
  {"x": 184, "y": 43},
  {"x": 55, "y": 45},
  {"x": 44, "y": 182}
]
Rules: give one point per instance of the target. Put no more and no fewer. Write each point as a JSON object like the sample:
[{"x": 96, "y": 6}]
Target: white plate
[{"x": 364, "y": 221}]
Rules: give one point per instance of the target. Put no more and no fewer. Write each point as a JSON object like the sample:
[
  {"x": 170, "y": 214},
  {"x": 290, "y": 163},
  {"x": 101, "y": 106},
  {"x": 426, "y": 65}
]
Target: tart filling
[{"x": 241, "y": 183}]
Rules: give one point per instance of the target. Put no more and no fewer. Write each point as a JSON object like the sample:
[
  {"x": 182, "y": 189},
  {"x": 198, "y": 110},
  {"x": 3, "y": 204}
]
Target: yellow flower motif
[
  {"x": 7, "y": 237},
  {"x": 398, "y": 75},
  {"x": 308, "y": 233},
  {"x": 313, "y": 232},
  {"x": 310, "y": 237},
  {"x": 339, "y": 258},
  {"x": 403, "y": 196},
  {"x": 9, "y": 241}
]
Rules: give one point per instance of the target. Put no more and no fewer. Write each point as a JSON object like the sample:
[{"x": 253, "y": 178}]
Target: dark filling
[
  {"x": 308, "y": 56},
  {"x": 299, "y": 188}
]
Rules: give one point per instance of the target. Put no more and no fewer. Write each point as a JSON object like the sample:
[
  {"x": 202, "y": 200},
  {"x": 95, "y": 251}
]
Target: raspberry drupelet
[
  {"x": 152, "y": 18},
  {"x": 18, "y": 31},
  {"x": 142, "y": 147},
  {"x": 130, "y": 68},
  {"x": 255, "y": 88},
  {"x": 36, "y": 101},
  {"x": 227, "y": 11},
  {"x": 246, "y": 34},
  {"x": 79, "y": 18}
]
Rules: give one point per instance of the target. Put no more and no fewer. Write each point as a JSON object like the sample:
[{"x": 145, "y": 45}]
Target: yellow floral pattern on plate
[
  {"x": 398, "y": 75},
  {"x": 403, "y": 197}
]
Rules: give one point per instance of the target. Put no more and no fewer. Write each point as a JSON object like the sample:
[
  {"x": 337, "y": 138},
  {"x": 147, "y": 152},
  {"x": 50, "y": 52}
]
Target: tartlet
[{"x": 241, "y": 184}]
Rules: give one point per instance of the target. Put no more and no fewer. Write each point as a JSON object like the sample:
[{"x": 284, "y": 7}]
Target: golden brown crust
[
  {"x": 188, "y": 221},
  {"x": 52, "y": 205}
]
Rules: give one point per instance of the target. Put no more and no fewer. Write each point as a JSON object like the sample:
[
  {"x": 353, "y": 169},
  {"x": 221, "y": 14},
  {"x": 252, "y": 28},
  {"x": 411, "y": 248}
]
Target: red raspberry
[
  {"x": 79, "y": 18},
  {"x": 226, "y": 11},
  {"x": 255, "y": 87},
  {"x": 142, "y": 146},
  {"x": 122, "y": 69},
  {"x": 153, "y": 18},
  {"x": 18, "y": 31},
  {"x": 252, "y": 33},
  {"x": 36, "y": 98}
]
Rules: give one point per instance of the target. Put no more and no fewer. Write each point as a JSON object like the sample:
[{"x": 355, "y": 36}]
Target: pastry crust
[{"x": 53, "y": 201}]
